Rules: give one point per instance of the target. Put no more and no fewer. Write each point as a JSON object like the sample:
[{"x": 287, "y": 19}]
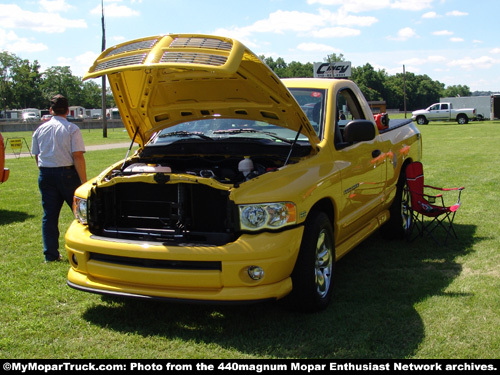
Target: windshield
[
  {"x": 222, "y": 129},
  {"x": 312, "y": 102}
]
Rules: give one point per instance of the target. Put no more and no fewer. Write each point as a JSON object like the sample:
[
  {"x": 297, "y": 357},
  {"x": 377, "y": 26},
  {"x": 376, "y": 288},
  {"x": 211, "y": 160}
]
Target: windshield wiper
[
  {"x": 239, "y": 131},
  {"x": 183, "y": 133}
]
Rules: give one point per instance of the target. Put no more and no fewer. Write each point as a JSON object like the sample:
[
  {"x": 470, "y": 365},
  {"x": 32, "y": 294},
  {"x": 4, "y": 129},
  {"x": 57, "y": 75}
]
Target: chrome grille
[
  {"x": 121, "y": 61},
  {"x": 201, "y": 43},
  {"x": 145, "y": 44},
  {"x": 193, "y": 58}
]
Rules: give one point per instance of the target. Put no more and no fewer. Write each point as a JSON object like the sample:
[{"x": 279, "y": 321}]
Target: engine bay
[
  {"x": 227, "y": 162},
  {"x": 230, "y": 170}
]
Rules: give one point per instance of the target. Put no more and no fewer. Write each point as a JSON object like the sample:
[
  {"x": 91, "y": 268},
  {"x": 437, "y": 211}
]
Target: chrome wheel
[
  {"x": 421, "y": 120},
  {"x": 406, "y": 214},
  {"x": 324, "y": 263},
  {"x": 313, "y": 274}
]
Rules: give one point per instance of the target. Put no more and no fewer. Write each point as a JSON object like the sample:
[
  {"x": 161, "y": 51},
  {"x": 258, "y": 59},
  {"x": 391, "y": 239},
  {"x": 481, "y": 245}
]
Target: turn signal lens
[{"x": 80, "y": 209}]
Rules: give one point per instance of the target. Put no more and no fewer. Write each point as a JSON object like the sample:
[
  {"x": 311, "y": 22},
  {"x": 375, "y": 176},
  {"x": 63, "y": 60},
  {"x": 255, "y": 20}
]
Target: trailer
[
  {"x": 495, "y": 106},
  {"x": 487, "y": 107}
]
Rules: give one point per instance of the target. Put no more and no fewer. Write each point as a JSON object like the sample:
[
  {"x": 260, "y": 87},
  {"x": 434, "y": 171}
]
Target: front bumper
[{"x": 194, "y": 273}]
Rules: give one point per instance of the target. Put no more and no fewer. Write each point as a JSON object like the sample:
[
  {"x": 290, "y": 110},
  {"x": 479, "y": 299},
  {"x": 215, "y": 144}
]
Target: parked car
[
  {"x": 46, "y": 117},
  {"x": 4, "y": 172},
  {"x": 30, "y": 117}
]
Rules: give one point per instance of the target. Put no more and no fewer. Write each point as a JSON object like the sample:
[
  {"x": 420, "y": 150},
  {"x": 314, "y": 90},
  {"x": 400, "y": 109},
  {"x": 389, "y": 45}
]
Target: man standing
[{"x": 58, "y": 148}]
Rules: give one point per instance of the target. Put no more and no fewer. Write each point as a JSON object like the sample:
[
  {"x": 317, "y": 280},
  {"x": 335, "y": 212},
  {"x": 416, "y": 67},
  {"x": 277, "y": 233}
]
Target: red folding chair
[{"x": 419, "y": 205}]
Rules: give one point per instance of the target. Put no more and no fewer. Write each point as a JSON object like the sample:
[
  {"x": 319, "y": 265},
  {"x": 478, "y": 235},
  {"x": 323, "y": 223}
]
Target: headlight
[
  {"x": 80, "y": 209},
  {"x": 267, "y": 215}
]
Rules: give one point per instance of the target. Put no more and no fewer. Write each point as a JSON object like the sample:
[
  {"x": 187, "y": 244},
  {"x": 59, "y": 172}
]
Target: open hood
[{"x": 160, "y": 81}]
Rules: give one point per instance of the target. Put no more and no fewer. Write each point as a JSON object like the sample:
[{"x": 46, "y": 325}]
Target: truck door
[
  {"x": 439, "y": 111},
  {"x": 363, "y": 177},
  {"x": 444, "y": 112}
]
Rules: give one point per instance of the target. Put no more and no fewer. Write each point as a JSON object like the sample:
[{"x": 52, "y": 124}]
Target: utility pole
[
  {"x": 104, "y": 119},
  {"x": 404, "y": 88}
]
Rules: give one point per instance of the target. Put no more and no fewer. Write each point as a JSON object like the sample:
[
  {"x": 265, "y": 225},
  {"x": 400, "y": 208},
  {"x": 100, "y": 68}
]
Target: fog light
[{"x": 255, "y": 272}]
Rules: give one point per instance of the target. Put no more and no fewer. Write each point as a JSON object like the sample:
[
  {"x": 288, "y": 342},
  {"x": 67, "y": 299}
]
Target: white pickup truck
[{"x": 443, "y": 112}]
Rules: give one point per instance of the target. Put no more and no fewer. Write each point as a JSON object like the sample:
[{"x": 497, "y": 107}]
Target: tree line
[
  {"x": 378, "y": 85},
  {"x": 22, "y": 85}
]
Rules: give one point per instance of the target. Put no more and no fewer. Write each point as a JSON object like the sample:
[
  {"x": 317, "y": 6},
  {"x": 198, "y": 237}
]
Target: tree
[
  {"x": 91, "y": 95},
  {"x": 26, "y": 82},
  {"x": 421, "y": 91},
  {"x": 371, "y": 82},
  {"x": 457, "y": 90},
  {"x": 60, "y": 80},
  {"x": 334, "y": 58},
  {"x": 6, "y": 63}
]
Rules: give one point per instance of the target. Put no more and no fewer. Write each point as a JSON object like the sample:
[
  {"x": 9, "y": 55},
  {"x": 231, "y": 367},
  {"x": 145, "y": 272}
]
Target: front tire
[
  {"x": 421, "y": 120},
  {"x": 312, "y": 277}
]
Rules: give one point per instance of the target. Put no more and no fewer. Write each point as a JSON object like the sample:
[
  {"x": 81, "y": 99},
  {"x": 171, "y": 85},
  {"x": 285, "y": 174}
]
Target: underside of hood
[{"x": 161, "y": 81}]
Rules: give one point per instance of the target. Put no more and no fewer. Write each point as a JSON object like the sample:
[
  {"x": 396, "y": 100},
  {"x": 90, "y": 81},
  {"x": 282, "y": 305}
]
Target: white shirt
[{"x": 55, "y": 141}]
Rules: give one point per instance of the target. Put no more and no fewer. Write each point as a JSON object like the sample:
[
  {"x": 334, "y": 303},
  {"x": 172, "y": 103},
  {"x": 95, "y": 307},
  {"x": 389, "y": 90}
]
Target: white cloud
[
  {"x": 495, "y": 50},
  {"x": 55, "y": 5},
  {"x": 324, "y": 24},
  {"x": 456, "y": 13},
  {"x": 413, "y": 5},
  {"x": 326, "y": 2},
  {"x": 11, "y": 42},
  {"x": 421, "y": 61},
  {"x": 456, "y": 40},
  {"x": 436, "y": 59},
  {"x": 430, "y": 15},
  {"x": 241, "y": 34},
  {"x": 79, "y": 64},
  {"x": 118, "y": 38},
  {"x": 404, "y": 34},
  {"x": 469, "y": 63},
  {"x": 442, "y": 32},
  {"x": 357, "y": 6},
  {"x": 342, "y": 18},
  {"x": 335, "y": 32},
  {"x": 13, "y": 17},
  {"x": 317, "y": 47},
  {"x": 282, "y": 21},
  {"x": 113, "y": 10}
]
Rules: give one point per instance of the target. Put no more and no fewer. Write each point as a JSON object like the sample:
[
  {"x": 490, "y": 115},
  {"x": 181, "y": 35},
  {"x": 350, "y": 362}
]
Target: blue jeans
[{"x": 57, "y": 185}]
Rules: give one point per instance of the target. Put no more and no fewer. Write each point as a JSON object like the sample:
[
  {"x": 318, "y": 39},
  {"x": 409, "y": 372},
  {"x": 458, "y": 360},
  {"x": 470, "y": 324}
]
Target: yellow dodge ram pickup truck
[{"x": 244, "y": 187}]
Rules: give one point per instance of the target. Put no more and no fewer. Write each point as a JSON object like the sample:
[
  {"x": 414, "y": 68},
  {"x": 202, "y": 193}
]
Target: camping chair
[{"x": 419, "y": 205}]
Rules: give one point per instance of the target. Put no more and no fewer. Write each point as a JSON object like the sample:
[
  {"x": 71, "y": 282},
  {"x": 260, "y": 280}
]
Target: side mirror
[{"x": 359, "y": 131}]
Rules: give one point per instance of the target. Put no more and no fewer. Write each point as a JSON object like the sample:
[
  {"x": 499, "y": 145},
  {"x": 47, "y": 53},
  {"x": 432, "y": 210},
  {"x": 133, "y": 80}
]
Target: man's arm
[{"x": 80, "y": 165}]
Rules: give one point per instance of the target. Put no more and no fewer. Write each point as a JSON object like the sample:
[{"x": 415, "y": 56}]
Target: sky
[{"x": 456, "y": 42}]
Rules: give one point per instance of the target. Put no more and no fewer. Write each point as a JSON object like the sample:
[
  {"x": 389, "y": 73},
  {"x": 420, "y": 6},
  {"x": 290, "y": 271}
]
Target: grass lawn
[{"x": 392, "y": 299}]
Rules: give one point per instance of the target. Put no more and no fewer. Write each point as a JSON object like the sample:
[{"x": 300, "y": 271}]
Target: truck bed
[{"x": 396, "y": 123}]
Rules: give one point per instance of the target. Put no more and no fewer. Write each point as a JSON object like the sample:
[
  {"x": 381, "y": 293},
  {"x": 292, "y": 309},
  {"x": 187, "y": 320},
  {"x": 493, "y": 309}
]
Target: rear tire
[
  {"x": 462, "y": 119},
  {"x": 400, "y": 220},
  {"x": 312, "y": 277}
]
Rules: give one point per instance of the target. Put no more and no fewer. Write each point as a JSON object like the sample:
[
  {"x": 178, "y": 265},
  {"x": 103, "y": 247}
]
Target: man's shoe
[{"x": 55, "y": 260}]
